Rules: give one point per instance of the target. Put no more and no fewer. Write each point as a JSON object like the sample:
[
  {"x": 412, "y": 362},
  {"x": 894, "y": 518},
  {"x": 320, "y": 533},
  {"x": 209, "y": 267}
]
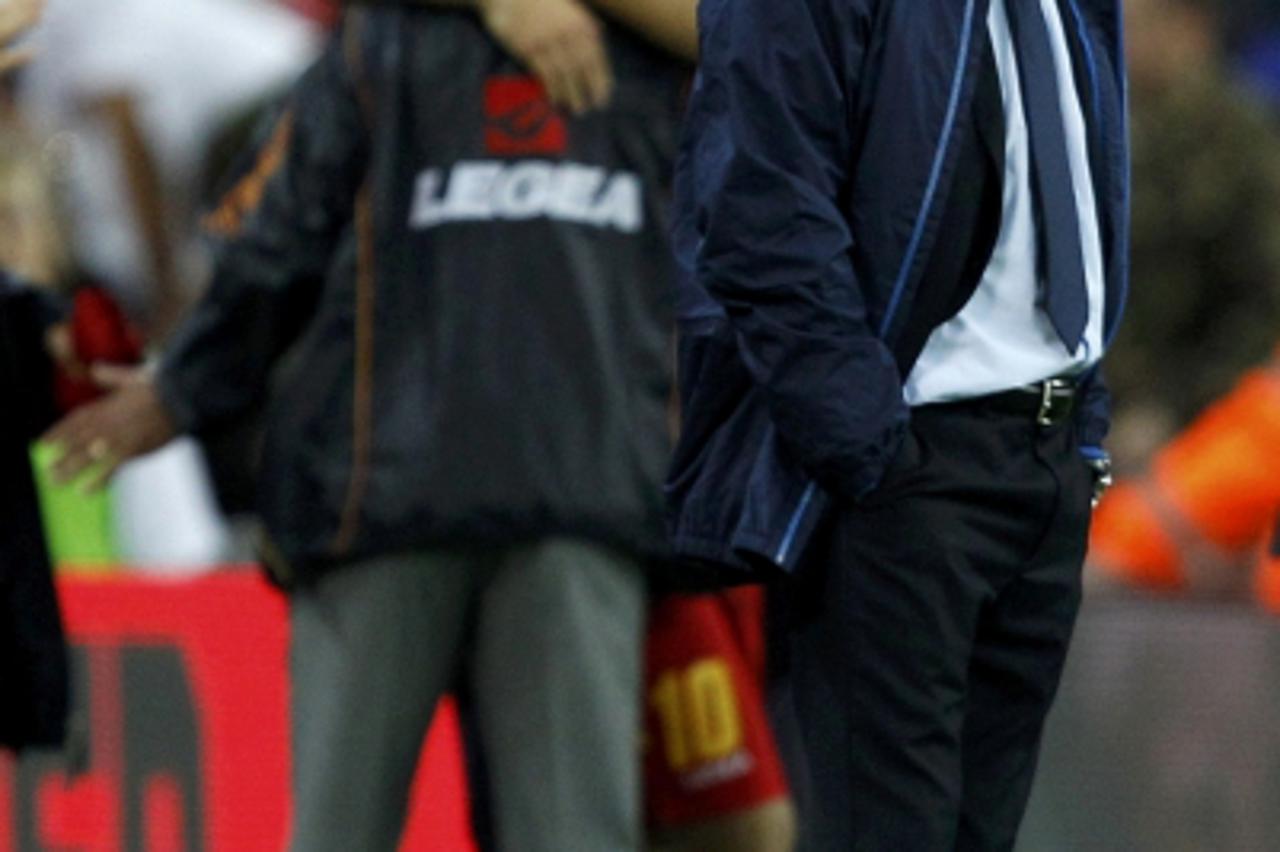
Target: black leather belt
[{"x": 1048, "y": 403}]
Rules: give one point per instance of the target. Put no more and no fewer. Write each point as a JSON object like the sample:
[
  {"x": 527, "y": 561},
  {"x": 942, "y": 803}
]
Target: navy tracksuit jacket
[{"x": 814, "y": 239}]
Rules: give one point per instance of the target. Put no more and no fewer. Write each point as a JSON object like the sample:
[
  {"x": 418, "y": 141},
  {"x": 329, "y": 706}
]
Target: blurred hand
[
  {"x": 561, "y": 42},
  {"x": 16, "y": 17},
  {"x": 129, "y": 422},
  {"x": 61, "y": 348}
]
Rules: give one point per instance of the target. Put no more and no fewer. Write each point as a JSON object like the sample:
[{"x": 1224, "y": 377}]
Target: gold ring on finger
[{"x": 99, "y": 449}]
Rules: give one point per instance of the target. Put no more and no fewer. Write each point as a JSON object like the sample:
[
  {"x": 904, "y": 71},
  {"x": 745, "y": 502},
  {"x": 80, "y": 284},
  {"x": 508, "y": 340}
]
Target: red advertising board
[{"x": 182, "y": 729}]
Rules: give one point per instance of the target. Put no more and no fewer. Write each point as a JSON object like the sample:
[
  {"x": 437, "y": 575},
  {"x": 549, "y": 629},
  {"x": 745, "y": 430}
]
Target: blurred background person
[
  {"x": 33, "y": 663},
  {"x": 713, "y": 760},
  {"x": 126, "y": 96},
  {"x": 714, "y": 779},
  {"x": 34, "y": 248},
  {"x": 736, "y": 795},
  {"x": 117, "y": 123},
  {"x": 1253, "y": 33},
  {"x": 1204, "y": 96},
  {"x": 1198, "y": 519},
  {"x": 538, "y": 326},
  {"x": 16, "y": 18},
  {"x": 1196, "y": 375},
  {"x": 33, "y": 658},
  {"x": 1198, "y": 399},
  {"x": 1205, "y": 293}
]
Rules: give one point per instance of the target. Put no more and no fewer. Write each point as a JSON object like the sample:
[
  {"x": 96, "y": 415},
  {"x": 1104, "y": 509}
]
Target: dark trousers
[{"x": 930, "y": 630}]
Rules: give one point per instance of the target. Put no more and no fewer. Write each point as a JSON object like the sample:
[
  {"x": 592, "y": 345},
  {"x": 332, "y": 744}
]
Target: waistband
[{"x": 1047, "y": 402}]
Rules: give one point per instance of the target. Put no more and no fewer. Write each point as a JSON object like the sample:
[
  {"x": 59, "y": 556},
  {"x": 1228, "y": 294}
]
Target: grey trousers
[{"x": 552, "y": 634}]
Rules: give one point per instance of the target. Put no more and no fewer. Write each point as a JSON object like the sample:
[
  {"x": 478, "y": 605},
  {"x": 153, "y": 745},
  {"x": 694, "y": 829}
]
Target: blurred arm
[
  {"x": 669, "y": 24},
  {"x": 560, "y": 41},
  {"x": 1095, "y": 420},
  {"x": 767, "y": 160},
  {"x": 146, "y": 192},
  {"x": 16, "y": 17},
  {"x": 279, "y": 227}
]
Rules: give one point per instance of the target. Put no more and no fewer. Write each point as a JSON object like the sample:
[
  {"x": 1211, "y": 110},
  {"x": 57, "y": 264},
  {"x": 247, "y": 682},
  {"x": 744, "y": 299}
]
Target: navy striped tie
[{"x": 1065, "y": 297}]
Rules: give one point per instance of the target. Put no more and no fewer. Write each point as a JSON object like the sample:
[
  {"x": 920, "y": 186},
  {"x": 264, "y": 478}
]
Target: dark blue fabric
[
  {"x": 1066, "y": 299},
  {"x": 819, "y": 155}
]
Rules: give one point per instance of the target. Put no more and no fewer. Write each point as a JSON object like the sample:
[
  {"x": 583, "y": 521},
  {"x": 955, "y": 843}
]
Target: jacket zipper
[
  {"x": 935, "y": 174},
  {"x": 362, "y": 393}
]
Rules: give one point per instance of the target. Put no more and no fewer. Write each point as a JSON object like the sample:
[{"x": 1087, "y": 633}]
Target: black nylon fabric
[
  {"x": 34, "y": 679},
  {"x": 520, "y": 335}
]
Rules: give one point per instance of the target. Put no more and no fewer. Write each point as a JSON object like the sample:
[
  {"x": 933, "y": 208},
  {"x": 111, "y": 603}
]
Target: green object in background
[{"x": 79, "y": 526}]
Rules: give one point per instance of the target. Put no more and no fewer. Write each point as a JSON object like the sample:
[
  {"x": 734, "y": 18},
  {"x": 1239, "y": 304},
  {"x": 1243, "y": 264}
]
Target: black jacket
[
  {"x": 479, "y": 292},
  {"x": 33, "y": 657},
  {"x": 836, "y": 205}
]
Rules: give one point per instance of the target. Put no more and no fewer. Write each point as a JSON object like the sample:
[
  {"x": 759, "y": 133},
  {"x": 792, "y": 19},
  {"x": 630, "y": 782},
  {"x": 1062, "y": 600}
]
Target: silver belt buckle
[{"x": 1048, "y": 388}]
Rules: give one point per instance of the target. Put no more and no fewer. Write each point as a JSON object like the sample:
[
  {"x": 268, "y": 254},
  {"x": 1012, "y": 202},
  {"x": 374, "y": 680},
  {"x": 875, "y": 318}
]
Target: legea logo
[
  {"x": 519, "y": 120},
  {"x": 488, "y": 190}
]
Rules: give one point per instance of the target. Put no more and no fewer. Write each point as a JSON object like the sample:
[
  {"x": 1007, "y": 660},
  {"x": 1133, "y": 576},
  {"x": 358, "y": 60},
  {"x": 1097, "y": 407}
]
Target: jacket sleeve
[
  {"x": 771, "y": 155},
  {"x": 47, "y": 308},
  {"x": 275, "y": 231},
  {"x": 26, "y": 371},
  {"x": 1095, "y": 416}
]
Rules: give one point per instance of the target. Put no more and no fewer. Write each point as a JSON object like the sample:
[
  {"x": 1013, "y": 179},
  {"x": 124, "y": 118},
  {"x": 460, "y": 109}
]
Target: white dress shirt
[{"x": 1002, "y": 338}]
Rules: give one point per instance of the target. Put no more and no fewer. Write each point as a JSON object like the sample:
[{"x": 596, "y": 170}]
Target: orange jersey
[{"x": 1210, "y": 500}]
